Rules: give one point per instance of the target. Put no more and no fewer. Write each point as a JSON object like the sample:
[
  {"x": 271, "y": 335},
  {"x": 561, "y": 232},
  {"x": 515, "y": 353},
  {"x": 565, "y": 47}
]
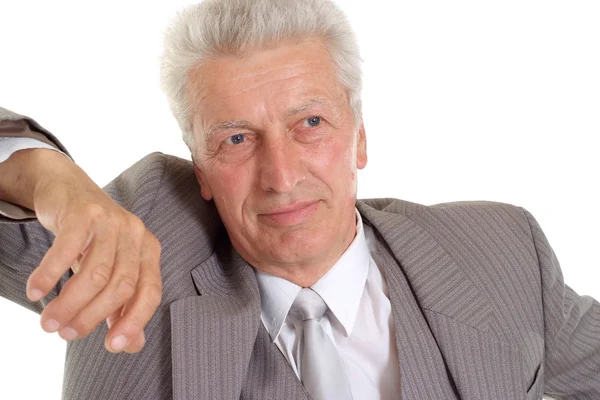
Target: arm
[
  {"x": 113, "y": 257},
  {"x": 19, "y": 132},
  {"x": 572, "y": 330}
]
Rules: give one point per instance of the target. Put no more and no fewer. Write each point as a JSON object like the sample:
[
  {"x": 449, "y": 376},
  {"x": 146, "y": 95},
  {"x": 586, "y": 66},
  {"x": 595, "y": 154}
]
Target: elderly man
[{"x": 273, "y": 280}]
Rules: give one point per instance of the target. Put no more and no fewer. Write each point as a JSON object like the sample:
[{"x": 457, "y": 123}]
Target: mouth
[{"x": 293, "y": 214}]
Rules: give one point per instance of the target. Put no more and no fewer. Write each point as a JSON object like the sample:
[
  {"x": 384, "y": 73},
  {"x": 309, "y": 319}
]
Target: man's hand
[{"x": 114, "y": 257}]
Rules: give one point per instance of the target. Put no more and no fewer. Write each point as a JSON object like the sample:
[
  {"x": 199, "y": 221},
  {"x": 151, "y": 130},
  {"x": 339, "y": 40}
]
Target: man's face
[{"x": 277, "y": 149}]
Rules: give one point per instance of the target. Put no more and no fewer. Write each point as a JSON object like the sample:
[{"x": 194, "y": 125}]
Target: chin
[{"x": 301, "y": 246}]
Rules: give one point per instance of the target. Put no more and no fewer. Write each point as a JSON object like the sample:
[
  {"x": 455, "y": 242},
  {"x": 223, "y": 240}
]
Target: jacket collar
[
  {"x": 213, "y": 334},
  {"x": 457, "y": 312}
]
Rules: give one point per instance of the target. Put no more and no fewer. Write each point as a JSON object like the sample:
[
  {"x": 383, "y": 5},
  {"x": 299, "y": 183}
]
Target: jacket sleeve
[
  {"x": 17, "y": 125},
  {"x": 23, "y": 243},
  {"x": 571, "y": 330},
  {"x": 13, "y": 125}
]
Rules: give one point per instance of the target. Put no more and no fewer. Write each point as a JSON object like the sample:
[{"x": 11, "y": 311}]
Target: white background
[{"x": 463, "y": 100}]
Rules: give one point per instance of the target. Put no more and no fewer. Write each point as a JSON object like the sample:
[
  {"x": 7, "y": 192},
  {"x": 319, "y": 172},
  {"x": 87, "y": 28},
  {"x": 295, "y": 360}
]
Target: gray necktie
[{"x": 322, "y": 371}]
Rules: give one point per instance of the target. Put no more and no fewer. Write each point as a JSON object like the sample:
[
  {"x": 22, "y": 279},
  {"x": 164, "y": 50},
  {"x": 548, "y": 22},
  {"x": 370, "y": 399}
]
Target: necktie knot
[{"x": 309, "y": 305}]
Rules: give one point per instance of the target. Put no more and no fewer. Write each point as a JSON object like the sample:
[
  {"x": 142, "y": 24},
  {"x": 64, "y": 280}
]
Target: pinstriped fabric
[
  {"x": 22, "y": 248},
  {"x": 512, "y": 281},
  {"x": 423, "y": 373},
  {"x": 442, "y": 287},
  {"x": 270, "y": 376},
  {"x": 214, "y": 334},
  {"x": 497, "y": 261},
  {"x": 438, "y": 282},
  {"x": 480, "y": 365},
  {"x": 516, "y": 273},
  {"x": 572, "y": 326}
]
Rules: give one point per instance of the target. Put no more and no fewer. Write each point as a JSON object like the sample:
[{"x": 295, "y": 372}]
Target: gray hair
[{"x": 237, "y": 27}]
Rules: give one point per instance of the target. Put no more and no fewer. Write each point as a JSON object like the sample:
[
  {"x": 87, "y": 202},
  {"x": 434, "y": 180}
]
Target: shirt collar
[{"x": 341, "y": 287}]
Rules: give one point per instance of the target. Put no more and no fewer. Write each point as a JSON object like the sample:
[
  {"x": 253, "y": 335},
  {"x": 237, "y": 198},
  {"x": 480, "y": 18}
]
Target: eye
[
  {"x": 236, "y": 139},
  {"x": 312, "y": 121}
]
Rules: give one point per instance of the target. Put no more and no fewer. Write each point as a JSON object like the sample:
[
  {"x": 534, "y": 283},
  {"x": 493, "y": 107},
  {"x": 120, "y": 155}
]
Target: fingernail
[
  {"x": 50, "y": 326},
  {"x": 68, "y": 333},
  {"x": 118, "y": 343},
  {"x": 35, "y": 295}
]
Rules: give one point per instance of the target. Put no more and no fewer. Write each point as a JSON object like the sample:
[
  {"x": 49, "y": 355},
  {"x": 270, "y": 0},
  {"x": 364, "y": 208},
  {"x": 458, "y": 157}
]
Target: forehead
[{"x": 264, "y": 85}]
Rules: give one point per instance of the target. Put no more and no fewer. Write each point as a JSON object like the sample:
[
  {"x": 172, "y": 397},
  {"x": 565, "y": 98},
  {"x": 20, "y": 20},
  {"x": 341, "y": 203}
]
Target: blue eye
[
  {"x": 236, "y": 139},
  {"x": 313, "y": 121}
]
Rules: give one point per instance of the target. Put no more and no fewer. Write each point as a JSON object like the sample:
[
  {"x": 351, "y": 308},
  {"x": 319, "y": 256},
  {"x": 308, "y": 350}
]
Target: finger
[
  {"x": 143, "y": 304},
  {"x": 65, "y": 250},
  {"x": 137, "y": 344},
  {"x": 114, "y": 317},
  {"x": 111, "y": 291},
  {"x": 93, "y": 275}
]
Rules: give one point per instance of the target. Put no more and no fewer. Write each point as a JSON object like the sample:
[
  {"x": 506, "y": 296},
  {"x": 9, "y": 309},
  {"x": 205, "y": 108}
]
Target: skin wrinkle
[
  {"x": 196, "y": 73},
  {"x": 212, "y": 131},
  {"x": 239, "y": 78},
  {"x": 282, "y": 160}
]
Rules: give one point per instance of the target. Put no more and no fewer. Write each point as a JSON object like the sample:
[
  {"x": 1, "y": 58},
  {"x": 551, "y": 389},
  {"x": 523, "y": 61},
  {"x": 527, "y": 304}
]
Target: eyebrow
[
  {"x": 302, "y": 107},
  {"x": 242, "y": 124},
  {"x": 226, "y": 125}
]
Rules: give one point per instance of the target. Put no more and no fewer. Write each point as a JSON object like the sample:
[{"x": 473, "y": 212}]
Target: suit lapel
[
  {"x": 422, "y": 370},
  {"x": 270, "y": 375},
  {"x": 456, "y": 312},
  {"x": 213, "y": 334}
]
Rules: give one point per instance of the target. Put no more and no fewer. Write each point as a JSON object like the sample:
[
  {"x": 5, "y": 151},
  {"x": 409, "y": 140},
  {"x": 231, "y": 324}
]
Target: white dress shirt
[{"x": 359, "y": 318}]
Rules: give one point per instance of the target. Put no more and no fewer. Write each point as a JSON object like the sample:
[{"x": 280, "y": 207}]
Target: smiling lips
[{"x": 291, "y": 215}]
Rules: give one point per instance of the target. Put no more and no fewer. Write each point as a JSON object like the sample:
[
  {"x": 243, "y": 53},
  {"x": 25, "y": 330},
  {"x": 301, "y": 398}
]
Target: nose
[{"x": 281, "y": 166}]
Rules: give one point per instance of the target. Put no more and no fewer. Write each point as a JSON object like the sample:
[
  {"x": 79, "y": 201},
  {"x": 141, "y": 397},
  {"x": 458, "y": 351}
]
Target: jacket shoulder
[
  {"x": 409, "y": 209},
  {"x": 139, "y": 187}
]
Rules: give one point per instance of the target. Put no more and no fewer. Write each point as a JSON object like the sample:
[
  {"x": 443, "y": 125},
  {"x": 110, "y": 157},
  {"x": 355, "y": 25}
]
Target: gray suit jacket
[{"x": 479, "y": 303}]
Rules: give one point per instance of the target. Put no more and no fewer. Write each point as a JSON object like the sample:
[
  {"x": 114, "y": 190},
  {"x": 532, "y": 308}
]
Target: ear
[
  {"x": 361, "y": 148},
  {"x": 204, "y": 188}
]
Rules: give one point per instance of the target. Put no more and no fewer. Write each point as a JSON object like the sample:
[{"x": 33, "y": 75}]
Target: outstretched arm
[{"x": 113, "y": 258}]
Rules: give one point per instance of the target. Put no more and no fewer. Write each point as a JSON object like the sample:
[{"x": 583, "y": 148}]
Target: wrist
[{"x": 25, "y": 170}]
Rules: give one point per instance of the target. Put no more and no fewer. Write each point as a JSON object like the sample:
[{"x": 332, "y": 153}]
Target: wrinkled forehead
[{"x": 266, "y": 84}]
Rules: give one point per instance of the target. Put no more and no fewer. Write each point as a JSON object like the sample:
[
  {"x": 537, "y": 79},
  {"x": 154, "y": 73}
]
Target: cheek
[
  {"x": 230, "y": 188},
  {"x": 334, "y": 163}
]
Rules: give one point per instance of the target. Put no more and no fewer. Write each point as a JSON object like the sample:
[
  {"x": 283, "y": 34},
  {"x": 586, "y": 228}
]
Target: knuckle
[
  {"x": 155, "y": 246},
  {"x": 67, "y": 311},
  {"x": 44, "y": 280},
  {"x": 136, "y": 227},
  {"x": 125, "y": 289},
  {"x": 61, "y": 311},
  {"x": 83, "y": 325},
  {"x": 153, "y": 296},
  {"x": 95, "y": 212},
  {"x": 136, "y": 322},
  {"x": 100, "y": 275},
  {"x": 150, "y": 298},
  {"x": 115, "y": 222}
]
